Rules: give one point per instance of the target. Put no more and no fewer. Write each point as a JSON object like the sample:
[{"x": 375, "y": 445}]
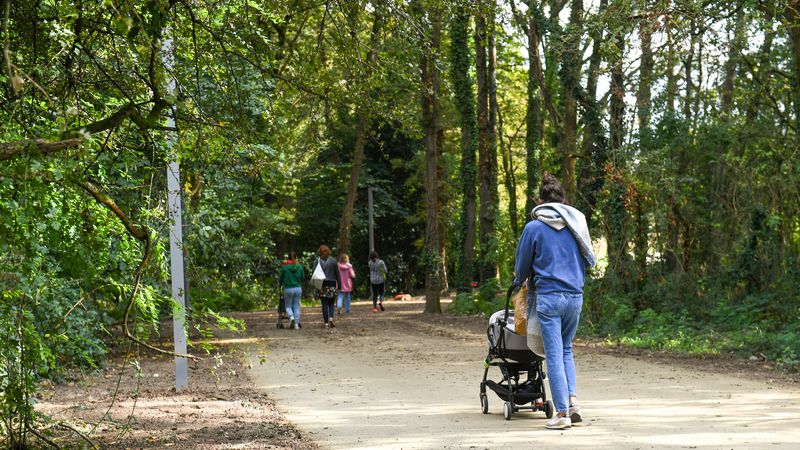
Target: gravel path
[{"x": 400, "y": 380}]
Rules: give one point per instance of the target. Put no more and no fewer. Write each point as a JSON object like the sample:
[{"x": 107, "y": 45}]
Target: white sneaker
[
  {"x": 296, "y": 326},
  {"x": 327, "y": 325},
  {"x": 575, "y": 417},
  {"x": 559, "y": 423}
]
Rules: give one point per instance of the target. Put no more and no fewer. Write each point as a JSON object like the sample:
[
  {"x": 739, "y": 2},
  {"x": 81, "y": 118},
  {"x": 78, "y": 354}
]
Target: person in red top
[{"x": 346, "y": 275}]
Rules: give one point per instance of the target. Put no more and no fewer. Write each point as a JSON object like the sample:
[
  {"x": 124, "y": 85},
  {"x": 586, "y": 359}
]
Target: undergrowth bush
[
  {"x": 699, "y": 316},
  {"x": 683, "y": 314},
  {"x": 485, "y": 300}
]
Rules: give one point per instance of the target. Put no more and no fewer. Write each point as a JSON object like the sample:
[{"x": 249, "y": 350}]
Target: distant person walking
[
  {"x": 346, "y": 277},
  {"x": 327, "y": 294},
  {"x": 377, "y": 279},
  {"x": 553, "y": 254},
  {"x": 291, "y": 277}
]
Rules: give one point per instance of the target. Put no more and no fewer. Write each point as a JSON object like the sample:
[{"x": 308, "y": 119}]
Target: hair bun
[
  {"x": 551, "y": 189},
  {"x": 549, "y": 178}
]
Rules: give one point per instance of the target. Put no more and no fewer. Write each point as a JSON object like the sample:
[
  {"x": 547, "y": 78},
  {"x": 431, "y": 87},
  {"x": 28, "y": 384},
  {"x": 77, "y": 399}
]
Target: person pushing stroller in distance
[{"x": 553, "y": 255}]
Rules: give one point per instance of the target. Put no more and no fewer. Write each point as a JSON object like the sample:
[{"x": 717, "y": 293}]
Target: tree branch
[
  {"x": 11, "y": 150},
  {"x": 142, "y": 235},
  {"x": 75, "y": 137}
]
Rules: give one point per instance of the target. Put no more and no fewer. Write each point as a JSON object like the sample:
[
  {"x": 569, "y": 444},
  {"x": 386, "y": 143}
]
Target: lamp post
[
  {"x": 175, "y": 230},
  {"x": 371, "y": 220}
]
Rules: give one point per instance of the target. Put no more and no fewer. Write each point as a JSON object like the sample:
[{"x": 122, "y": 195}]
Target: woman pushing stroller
[
  {"x": 553, "y": 254},
  {"x": 291, "y": 277}
]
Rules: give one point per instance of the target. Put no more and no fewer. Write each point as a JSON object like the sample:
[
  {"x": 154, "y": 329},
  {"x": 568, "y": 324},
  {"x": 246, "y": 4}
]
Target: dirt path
[{"x": 401, "y": 380}]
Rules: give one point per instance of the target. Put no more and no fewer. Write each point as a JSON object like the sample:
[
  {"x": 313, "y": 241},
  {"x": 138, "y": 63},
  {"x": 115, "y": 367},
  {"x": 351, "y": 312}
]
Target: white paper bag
[
  {"x": 318, "y": 276},
  {"x": 535, "y": 342}
]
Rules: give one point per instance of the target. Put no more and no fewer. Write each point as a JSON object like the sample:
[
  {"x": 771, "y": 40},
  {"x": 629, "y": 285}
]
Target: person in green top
[{"x": 290, "y": 277}]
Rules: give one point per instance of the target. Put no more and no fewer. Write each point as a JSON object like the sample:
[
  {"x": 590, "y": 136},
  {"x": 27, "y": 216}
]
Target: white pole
[
  {"x": 371, "y": 236},
  {"x": 175, "y": 231}
]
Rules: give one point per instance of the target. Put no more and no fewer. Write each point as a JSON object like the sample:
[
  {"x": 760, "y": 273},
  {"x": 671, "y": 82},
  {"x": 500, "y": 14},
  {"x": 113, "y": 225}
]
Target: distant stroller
[
  {"x": 509, "y": 351},
  {"x": 282, "y": 310}
]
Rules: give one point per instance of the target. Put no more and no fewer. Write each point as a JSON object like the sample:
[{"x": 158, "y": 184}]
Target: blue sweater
[{"x": 553, "y": 257}]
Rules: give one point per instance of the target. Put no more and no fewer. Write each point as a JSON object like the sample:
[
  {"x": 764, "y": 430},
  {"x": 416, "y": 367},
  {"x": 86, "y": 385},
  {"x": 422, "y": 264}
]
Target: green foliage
[
  {"x": 716, "y": 320},
  {"x": 266, "y": 101},
  {"x": 486, "y": 300}
]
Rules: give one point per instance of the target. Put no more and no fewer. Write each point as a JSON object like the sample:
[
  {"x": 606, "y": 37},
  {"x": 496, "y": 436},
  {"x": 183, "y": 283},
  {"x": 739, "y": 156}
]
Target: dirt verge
[{"x": 135, "y": 397}]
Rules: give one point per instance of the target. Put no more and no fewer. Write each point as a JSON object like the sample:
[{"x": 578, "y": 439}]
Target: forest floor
[{"x": 405, "y": 379}]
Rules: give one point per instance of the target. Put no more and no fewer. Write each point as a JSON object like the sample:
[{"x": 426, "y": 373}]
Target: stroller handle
[{"x": 514, "y": 287}]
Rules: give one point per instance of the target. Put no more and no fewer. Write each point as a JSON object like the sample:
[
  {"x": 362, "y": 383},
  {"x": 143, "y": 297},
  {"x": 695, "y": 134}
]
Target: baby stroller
[
  {"x": 282, "y": 310},
  {"x": 509, "y": 351}
]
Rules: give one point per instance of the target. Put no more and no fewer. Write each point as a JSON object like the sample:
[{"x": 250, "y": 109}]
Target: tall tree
[
  {"x": 460, "y": 62},
  {"x": 431, "y": 117},
  {"x": 791, "y": 13},
  {"x": 571, "y": 61},
  {"x": 487, "y": 150},
  {"x": 671, "y": 89},
  {"x": 362, "y": 121},
  {"x": 616, "y": 214},
  {"x": 644, "y": 104},
  {"x": 534, "y": 123},
  {"x": 595, "y": 148},
  {"x": 644, "y": 92},
  {"x": 533, "y": 119}
]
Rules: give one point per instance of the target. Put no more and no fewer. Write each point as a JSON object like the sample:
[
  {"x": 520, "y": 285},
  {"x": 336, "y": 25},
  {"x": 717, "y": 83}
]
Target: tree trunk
[
  {"x": 643, "y": 115},
  {"x": 616, "y": 212},
  {"x": 441, "y": 201},
  {"x": 688, "y": 65},
  {"x": 792, "y": 14},
  {"x": 487, "y": 156},
  {"x": 465, "y": 104},
  {"x": 572, "y": 59},
  {"x": 431, "y": 112},
  {"x": 595, "y": 144},
  {"x": 362, "y": 128},
  {"x": 495, "y": 130},
  {"x": 533, "y": 121},
  {"x": 355, "y": 172},
  {"x": 729, "y": 70},
  {"x": 617, "y": 105},
  {"x": 644, "y": 93},
  {"x": 508, "y": 177},
  {"x": 671, "y": 90}
]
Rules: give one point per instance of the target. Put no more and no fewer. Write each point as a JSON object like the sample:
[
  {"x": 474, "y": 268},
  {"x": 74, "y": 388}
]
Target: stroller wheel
[
  {"x": 280, "y": 325},
  {"x": 548, "y": 409},
  {"x": 508, "y": 410},
  {"x": 484, "y": 404}
]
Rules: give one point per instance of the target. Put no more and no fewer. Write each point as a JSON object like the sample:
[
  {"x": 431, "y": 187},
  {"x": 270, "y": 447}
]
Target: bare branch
[
  {"x": 75, "y": 137},
  {"x": 11, "y": 150},
  {"x": 142, "y": 235},
  {"x": 66, "y": 426}
]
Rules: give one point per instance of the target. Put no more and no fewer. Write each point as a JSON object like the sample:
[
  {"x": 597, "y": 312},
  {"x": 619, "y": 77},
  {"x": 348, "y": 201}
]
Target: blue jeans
[
  {"x": 559, "y": 314},
  {"x": 346, "y": 296},
  {"x": 291, "y": 298}
]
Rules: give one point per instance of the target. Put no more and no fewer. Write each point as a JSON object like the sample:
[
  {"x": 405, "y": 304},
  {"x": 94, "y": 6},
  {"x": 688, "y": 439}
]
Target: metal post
[
  {"x": 175, "y": 232},
  {"x": 187, "y": 301},
  {"x": 371, "y": 236}
]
